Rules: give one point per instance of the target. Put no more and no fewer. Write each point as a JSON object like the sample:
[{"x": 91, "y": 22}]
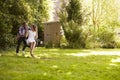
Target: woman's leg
[
  {"x": 32, "y": 46},
  {"x": 31, "y": 49}
]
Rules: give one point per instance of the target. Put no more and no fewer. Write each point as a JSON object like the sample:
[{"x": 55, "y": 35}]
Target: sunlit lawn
[{"x": 61, "y": 64}]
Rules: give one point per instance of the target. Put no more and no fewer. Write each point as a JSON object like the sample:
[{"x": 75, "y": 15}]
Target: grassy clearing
[{"x": 54, "y": 64}]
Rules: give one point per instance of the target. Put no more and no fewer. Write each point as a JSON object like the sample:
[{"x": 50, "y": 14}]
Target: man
[{"x": 22, "y": 37}]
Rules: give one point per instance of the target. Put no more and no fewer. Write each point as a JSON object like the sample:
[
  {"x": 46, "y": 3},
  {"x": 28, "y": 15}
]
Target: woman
[{"x": 32, "y": 35}]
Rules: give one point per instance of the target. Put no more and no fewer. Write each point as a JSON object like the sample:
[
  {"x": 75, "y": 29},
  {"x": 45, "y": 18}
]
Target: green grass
[{"x": 56, "y": 64}]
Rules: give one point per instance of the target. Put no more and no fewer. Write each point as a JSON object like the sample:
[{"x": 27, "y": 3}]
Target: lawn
[{"x": 61, "y": 64}]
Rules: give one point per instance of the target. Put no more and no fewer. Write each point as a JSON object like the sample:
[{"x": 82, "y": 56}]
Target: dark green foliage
[
  {"x": 6, "y": 41},
  {"x": 18, "y": 13},
  {"x": 80, "y": 33},
  {"x": 38, "y": 14},
  {"x": 74, "y": 35},
  {"x": 5, "y": 27},
  {"x": 71, "y": 20},
  {"x": 74, "y": 11},
  {"x": 14, "y": 12}
]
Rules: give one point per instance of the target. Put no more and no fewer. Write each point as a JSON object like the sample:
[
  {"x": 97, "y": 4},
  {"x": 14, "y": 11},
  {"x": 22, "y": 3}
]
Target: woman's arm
[
  {"x": 27, "y": 33},
  {"x": 36, "y": 36}
]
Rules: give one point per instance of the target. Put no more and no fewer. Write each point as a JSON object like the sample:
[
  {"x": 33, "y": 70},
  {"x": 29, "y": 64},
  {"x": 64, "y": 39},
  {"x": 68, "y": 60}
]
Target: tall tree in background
[
  {"x": 14, "y": 12},
  {"x": 38, "y": 14},
  {"x": 104, "y": 18},
  {"x": 104, "y": 12},
  {"x": 18, "y": 11},
  {"x": 11, "y": 11},
  {"x": 74, "y": 11},
  {"x": 96, "y": 13},
  {"x": 72, "y": 20},
  {"x": 111, "y": 12}
]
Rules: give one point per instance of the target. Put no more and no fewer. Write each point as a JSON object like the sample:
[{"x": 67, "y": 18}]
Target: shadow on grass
[
  {"x": 27, "y": 56},
  {"x": 11, "y": 56}
]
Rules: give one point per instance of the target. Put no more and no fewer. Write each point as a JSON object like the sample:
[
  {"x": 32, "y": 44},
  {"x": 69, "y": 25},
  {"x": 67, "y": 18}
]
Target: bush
[
  {"x": 6, "y": 38},
  {"x": 74, "y": 35},
  {"x": 71, "y": 18},
  {"x": 6, "y": 41},
  {"x": 102, "y": 38},
  {"x": 11, "y": 13},
  {"x": 51, "y": 45},
  {"x": 106, "y": 36},
  {"x": 14, "y": 12},
  {"x": 63, "y": 42},
  {"x": 118, "y": 44}
]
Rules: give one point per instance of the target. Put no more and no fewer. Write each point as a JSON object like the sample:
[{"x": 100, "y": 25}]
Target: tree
[
  {"x": 104, "y": 16},
  {"x": 38, "y": 14},
  {"x": 14, "y": 12},
  {"x": 74, "y": 11},
  {"x": 71, "y": 18},
  {"x": 104, "y": 12}
]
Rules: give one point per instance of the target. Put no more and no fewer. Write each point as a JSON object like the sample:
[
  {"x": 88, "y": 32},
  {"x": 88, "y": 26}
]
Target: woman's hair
[{"x": 34, "y": 27}]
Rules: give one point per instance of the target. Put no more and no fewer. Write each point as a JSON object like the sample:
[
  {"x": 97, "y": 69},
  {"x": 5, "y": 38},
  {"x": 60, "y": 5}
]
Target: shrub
[
  {"x": 118, "y": 44},
  {"x": 6, "y": 38},
  {"x": 74, "y": 35},
  {"x": 6, "y": 41},
  {"x": 71, "y": 18},
  {"x": 106, "y": 36},
  {"x": 63, "y": 42}
]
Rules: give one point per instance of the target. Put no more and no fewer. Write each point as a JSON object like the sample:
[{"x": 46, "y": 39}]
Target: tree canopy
[{"x": 14, "y": 12}]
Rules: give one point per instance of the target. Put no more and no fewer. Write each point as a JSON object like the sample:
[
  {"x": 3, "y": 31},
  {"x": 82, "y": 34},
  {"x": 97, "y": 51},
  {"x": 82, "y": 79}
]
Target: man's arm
[{"x": 20, "y": 31}]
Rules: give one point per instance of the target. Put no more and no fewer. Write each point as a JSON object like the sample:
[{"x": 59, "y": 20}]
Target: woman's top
[{"x": 31, "y": 36}]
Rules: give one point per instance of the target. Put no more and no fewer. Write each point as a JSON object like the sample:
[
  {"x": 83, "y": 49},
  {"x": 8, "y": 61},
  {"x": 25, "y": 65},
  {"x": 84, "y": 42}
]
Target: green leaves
[
  {"x": 74, "y": 11},
  {"x": 71, "y": 18},
  {"x": 14, "y": 12}
]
